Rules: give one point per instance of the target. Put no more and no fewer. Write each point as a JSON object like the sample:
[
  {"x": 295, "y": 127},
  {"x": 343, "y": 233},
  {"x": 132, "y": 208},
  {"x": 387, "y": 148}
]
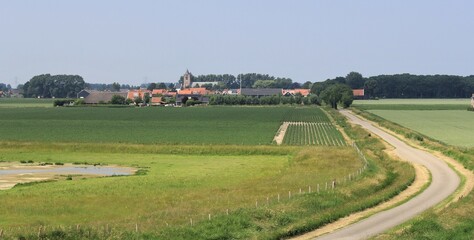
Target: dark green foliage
[
  {"x": 62, "y": 102},
  {"x": 59, "y": 86},
  {"x": 337, "y": 94},
  {"x": 267, "y": 100},
  {"x": 117, "y": 99}
]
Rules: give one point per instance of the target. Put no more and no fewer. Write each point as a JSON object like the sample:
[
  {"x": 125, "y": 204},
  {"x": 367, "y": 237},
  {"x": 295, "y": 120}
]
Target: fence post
[
  {"x": 278, "y": 197},
  {"x": 256, "y": 203},
  {"x": 309, "y": 189},
  {"x": 136, "y": 227},
  {"x": 267, "y": 201},
  {"x": 318, "y": 187},
  {"x": 209, "y": 217},
  {"x": 227, "y": 211},
  {"x": 191, "y": 220},
  {"x": 289, "y": 194},
  {"x": 300, "y": 190}
]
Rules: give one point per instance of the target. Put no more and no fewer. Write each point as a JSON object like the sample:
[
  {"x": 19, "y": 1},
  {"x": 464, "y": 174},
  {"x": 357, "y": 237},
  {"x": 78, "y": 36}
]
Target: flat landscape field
[
  {"x": 203, "y": 173},
  {"x": 446, "y": 120},
  {"x": 196, "y": 125}
]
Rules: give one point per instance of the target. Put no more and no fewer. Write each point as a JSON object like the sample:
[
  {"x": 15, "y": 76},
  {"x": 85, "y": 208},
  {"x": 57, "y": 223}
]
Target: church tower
[{"x": 187, "y": 79}]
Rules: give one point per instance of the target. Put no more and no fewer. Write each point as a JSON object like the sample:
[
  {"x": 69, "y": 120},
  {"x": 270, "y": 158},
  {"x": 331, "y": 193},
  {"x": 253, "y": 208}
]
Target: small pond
[{"x": 94, "y": 170}]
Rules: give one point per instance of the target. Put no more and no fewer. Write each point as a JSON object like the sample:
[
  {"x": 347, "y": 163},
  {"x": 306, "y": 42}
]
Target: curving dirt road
[{"x": 444, "y": 182}]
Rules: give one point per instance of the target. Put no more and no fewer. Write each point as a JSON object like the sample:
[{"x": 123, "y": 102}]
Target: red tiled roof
[
  {"x": 302, "y": 91},
  {"x": 156, "y": 99},
  {"x": 159, "y": 91},
  {"x": 132, "y": 94},
  {"x": 201, "y": 91},
  {"x": 358, "y": 92}
]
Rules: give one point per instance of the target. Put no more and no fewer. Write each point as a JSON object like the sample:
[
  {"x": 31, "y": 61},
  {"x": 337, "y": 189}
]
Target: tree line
[
  {"x": 267, "y": 100},
  {"x": 5, "y": 87},
  {"x": 248, "y": 80},
  {"x": 57, "y": 86},
  {"x": 404, "y": 85}
]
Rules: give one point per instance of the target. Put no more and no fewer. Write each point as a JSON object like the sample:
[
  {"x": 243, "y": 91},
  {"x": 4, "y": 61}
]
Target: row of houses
[{"x": 182, "y": 95}]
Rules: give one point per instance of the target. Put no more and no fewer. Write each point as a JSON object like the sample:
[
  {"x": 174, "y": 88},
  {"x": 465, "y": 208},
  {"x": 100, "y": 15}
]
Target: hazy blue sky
[{"x": 155, "y": 41}]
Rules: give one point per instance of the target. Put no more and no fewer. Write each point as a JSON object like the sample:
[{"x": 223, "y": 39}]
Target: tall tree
[
  {"x": 337, "y": 94},
  {"x": 355, "y": 80}
]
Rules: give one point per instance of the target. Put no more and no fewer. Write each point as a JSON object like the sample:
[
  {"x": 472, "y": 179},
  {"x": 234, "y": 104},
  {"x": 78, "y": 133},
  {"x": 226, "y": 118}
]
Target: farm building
[
  {"x": 132, "y": 94},
  {"x": 293, "y": 92},
  {"x": 261, "y": 92},
  {"x": 157, "y": 101},
  {"x": 96, "y": 97},
  {"x": 358, "y": 93}
]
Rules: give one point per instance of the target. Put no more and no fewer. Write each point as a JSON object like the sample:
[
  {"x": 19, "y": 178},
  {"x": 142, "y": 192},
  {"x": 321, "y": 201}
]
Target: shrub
[
  {"x": 79, "y": 102},
  {"x": 117, "y": 99},
  {"x": 62, "y": 102}
]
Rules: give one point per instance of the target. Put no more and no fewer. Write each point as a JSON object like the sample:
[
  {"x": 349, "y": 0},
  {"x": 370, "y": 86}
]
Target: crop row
[
  {"x": 311, "y": 133},
  {"x": 306, "y": 115}
]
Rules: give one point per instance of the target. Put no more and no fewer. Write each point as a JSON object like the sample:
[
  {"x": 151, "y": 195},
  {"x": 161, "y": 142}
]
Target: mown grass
[{"x": 453, "y": 222}]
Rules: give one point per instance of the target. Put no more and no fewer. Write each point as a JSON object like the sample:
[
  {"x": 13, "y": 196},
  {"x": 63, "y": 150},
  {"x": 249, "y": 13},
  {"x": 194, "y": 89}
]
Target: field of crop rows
[
  {"x": 311, "y": 126},
  {"x": 313, "y": 133}
]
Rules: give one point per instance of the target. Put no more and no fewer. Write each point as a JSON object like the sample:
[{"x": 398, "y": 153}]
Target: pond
[
  {"x": 94, "y": 170},
  {"x": 14, "y": 173}
]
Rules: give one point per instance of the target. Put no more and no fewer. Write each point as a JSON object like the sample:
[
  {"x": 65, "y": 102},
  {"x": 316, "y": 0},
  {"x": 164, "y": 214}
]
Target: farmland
[
  {"x": 212, "y": 125},
  {"x": 444, "y": 120},
  {"x": 196, "y": 164}
]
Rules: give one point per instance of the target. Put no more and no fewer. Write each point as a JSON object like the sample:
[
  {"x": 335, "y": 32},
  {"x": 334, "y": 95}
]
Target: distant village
[{"x": 182, "y": 93}]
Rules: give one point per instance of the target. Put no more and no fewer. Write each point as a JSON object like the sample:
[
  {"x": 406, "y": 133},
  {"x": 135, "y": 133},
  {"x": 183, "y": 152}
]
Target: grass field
[
  {"x": 413, "y": 104},
  {"x": 452, "y": 127}
]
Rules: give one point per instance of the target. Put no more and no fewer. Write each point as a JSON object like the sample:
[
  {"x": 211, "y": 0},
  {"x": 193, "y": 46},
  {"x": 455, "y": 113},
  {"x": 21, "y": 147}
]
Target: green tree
[
  {"x": 355, "y": 80},
  {"x": 369, "y": 87},
  {"x": 115, "y": 87},
  {"x": 337, "y": 94},
  {"x": 151, "y": 86},
  {"x": 117, "y": 99},
  {"x": 307, "y": 85},
  {"x": 161, "y": 86}
]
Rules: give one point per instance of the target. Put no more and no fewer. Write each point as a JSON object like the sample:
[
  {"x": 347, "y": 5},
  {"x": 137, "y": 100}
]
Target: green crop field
[
  {"x": 211, "y": 125},
  {"x": 413, "y": 104},
  {"x": 445, "y": 120},
  {"x": 25, "y": 102},
  {"x": 454, "y": 127},
  {"x": 310, "y": 133},
  {"x": 311, "y": 127}
]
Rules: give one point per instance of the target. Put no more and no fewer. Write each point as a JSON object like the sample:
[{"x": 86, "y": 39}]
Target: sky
[{"x": 134, "y": 42}]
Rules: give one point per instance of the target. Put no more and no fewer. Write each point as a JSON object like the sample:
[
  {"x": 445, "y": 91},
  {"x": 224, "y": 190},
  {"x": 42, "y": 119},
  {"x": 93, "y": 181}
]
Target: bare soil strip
[{"x": 281, "y": 133}]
